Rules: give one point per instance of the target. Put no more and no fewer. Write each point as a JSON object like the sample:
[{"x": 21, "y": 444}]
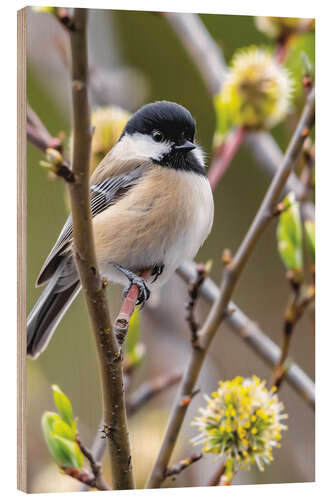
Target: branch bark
[
  {"x": 223, "y": 158},
  {"x": 38, "y": 135},
  {"x": 230, "y": 278},
  {"x": 176, "y": 469},
  {"x": 203, "y": 50},
  {"x": 297, "y": 304},
  {"x": 256, "y": 339},
  {"x": 193, "y": 291},
  {"x": 97, "y": 481},
  {"x": 148, "y": 390},
  {"x": 216, "y": 477},
  {"x": 109, "y": 353}
]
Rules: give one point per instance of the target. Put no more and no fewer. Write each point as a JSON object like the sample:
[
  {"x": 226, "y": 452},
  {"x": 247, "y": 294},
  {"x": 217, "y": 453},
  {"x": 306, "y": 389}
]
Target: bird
[{"x": 152, "y": 209}]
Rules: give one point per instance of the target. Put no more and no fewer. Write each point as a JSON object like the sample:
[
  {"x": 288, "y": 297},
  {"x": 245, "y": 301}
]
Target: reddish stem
[
  {"x": 122, "y": 321},
  {"x": 282, "y": 49},
  {"x": 224, "y": 157}
]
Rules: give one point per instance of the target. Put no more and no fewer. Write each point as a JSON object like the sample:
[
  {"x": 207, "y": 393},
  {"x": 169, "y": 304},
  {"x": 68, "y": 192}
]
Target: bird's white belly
[{"x": 176, "y": 250}]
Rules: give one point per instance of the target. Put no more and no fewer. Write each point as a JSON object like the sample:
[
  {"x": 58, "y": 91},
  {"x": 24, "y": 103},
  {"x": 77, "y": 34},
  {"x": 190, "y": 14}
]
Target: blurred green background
[{"x": 142, "y": 47}]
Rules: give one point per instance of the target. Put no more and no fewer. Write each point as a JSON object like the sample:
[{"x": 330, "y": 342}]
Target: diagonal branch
[
  {"x": 230, "y": 278},
  {"x": 148, "y": 390},
  {"x": 218, "y": 473},
  {"x": 202, "y": 48},
  {"x": 97, "y": 481},
  {"x": 176, "y": 469},
  {"x": 255, "y": 338},
  {"x": 38, "y": 135},
  {"x": 297, "y": 304},
  {"x": 109, "y": 353}
]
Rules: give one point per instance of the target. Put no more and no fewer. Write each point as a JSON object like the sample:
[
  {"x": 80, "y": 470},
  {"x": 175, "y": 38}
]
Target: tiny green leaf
[
  {"x": 63, "y": 405},
  {"x": 65, "y": 452},
  {"x": 310, "y": 238},
  {"x": 289, "y": 235},
  {"x": 64, "y": 430}
]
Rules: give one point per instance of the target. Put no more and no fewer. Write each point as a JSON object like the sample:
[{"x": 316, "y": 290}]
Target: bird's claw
[
  {"x": 144, "y": 292},
  {"x": 157, "y": 271}
]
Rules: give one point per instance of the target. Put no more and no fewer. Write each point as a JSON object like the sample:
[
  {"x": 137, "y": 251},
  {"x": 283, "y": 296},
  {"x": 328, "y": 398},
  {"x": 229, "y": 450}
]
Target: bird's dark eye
[{"x": 157, "y": 136}]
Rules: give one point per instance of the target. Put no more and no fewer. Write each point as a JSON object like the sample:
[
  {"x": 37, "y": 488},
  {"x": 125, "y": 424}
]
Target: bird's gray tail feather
[{"x": 47, "y": 313}]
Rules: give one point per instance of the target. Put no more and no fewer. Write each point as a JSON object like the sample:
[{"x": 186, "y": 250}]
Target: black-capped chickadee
[{"x": 152, "y": 209}]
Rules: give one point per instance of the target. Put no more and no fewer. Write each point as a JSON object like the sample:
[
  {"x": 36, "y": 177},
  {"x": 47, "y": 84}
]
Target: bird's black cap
[{"x": 170, "y": 118}]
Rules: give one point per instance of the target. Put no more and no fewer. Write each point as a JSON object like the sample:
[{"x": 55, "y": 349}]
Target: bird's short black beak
[{"x": 185, "y": 147}]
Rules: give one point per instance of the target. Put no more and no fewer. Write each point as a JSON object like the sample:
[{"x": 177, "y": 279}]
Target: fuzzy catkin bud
[
  {"x": 256, "y": 93},
  {"x": 241, "y": 422}
]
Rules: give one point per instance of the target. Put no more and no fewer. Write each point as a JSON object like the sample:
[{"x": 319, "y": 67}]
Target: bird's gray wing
[{"x": 102, "y": 195}]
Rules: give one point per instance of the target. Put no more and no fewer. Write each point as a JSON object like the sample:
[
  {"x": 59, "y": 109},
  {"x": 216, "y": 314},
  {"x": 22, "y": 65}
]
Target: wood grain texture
[{"x": 21, "y": 248}]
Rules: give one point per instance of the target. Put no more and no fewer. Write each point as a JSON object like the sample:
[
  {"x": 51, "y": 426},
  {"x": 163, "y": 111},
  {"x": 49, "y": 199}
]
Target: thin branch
[
  {"x": 307, "y": 172},
  {"x": 176, "y": 469},
  {"x": 201, "y": 47},
  {"x": 109, "y": 353},
  {"x": 96, "y": 468},
  {"x": 193, "y": 291},
  {"x": 224, "y": 157},
  {"x": 121, "y": 323},
  {"x": 38, "y": 135},
  {"x": 88, "y": 480},
  {"x": 230, "y": 278},
  {"x": 295, "y": 309},
  {"x": 65, "y": 19},
  {"x": 216, "y": 477},
  {"x": 148, "y": 390},
  {"x": 255, "y": 338}
]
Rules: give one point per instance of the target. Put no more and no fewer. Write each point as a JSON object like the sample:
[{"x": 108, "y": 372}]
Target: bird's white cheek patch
[
  {"x": 199, "y": 155},
  {"x": 144, "y": 146}
]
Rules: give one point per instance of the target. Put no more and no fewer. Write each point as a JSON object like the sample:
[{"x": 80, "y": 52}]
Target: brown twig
[
  {"x": 121, "y": 323},
  {"x": 296, "y": 307},
  {"x": 38, "y": 134},
  {"x": 88, "y": 480},
  {"x": 148, "y": 390},
  {"x": 307, "y": 172},
  {"x": 193, "y": 291},
  {"x": 215, "y": 479},
  {"x": 225, "y": 155},
  {"x": 269, "y": 155},
  {"x": 65, "y": 19},
  {"x": 231, "y": 275},
  {"x": 97, "y": 480},
  {"x": 109, "y": 354},
  {"x": 282, "y": 46},
  {"x": 203, "y": 50},
  {"x": 249, "y": 332},
  {"x": 182, "y": 465}
]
